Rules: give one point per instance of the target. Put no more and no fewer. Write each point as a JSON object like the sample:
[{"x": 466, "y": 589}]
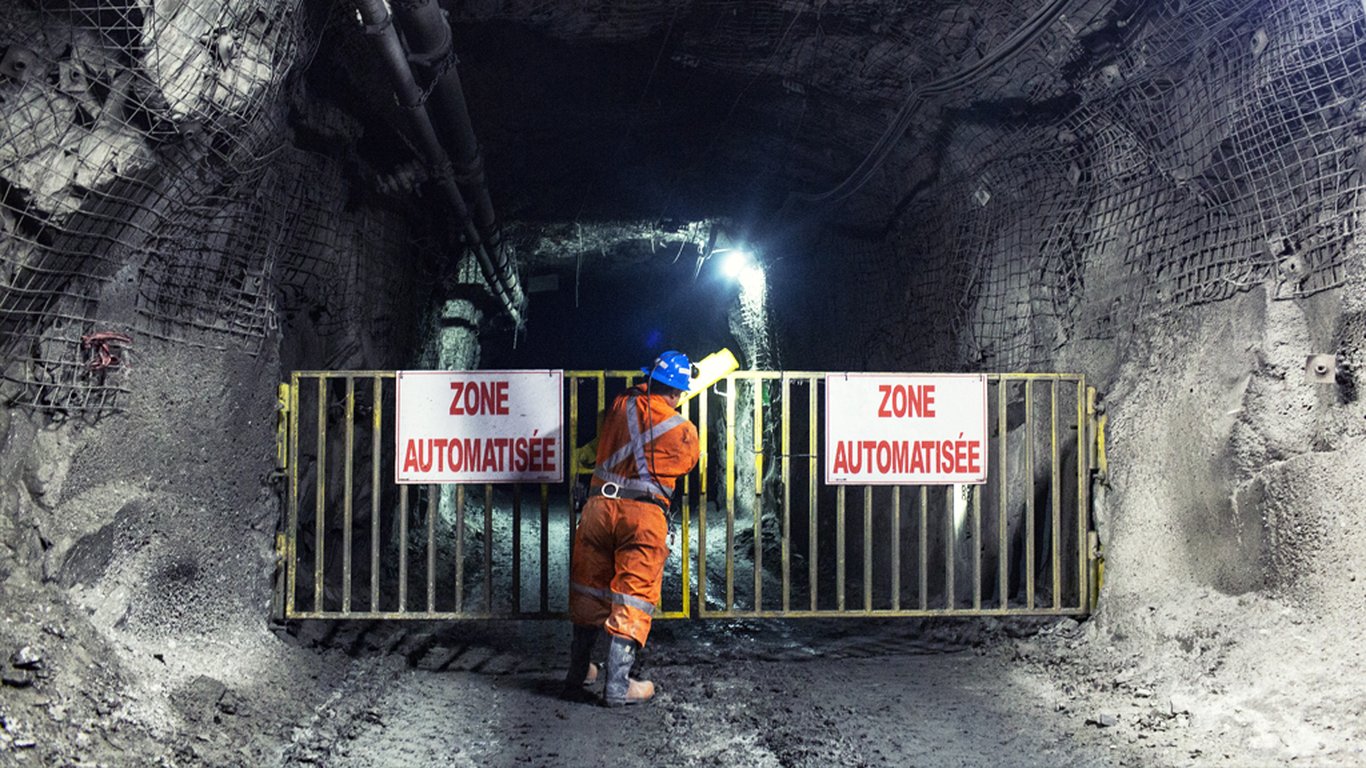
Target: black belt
[{"x": 628, "y": 495}]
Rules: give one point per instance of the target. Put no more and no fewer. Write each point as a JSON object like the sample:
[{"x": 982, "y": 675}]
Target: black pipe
[
  {"x": 379, "y": 28},
  {"x": 428, "y": 36}
]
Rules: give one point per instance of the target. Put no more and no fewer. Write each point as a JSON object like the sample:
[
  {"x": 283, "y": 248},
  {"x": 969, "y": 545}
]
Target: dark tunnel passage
[{"x": 621, "y": 319}]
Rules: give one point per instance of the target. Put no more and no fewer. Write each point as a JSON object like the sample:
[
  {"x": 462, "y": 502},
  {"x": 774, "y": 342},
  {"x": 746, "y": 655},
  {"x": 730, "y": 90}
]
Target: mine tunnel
[{"x": 1028, "y": 340}]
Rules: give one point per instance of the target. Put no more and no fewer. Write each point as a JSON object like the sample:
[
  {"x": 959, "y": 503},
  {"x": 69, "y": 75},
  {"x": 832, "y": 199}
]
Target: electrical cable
[
  {"x": 635, "y": 115},
  {"x": 725, "y": 121},
  {"x": 1026, "y": 35}
]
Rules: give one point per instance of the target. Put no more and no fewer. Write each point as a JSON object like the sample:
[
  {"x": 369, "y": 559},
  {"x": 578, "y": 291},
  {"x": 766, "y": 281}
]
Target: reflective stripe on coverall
[{"x": 621, "y": 544}]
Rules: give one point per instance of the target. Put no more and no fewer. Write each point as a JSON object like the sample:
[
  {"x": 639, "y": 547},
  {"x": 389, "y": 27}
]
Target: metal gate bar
[
  {"x": 1030, "y": 575},
  {"x": 332, "y": 595},
  {"x": 956, "y": 586}
]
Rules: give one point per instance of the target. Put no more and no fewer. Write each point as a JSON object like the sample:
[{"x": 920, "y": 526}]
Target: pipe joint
[
  {"x": 413, "y": 104},
  {"x": 380, "y": 27},
  {"x": 440, "y": 57}
]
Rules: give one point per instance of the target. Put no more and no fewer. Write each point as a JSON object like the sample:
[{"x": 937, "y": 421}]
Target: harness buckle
[{"x": 610, "y": 490}]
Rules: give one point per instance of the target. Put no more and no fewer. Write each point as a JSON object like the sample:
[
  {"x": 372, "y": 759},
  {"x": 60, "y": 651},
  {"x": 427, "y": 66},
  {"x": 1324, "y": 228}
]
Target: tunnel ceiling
[
  {"x": 1026, "y": 166},
  {"x": 686, "y": 110}
]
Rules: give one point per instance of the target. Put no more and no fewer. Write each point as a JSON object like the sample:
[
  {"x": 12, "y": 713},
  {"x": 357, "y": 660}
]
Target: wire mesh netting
[
  {"x": 1044, "y": 172},
  {"x": 122, "y": 125},
  {"x": 1051, "y": 170},
  {"x": 210, "y": 268},
  {"x": 1094, "y": 163},
  {"x": 149, "y": 188},
  {"x": 1218, "y": 151}
]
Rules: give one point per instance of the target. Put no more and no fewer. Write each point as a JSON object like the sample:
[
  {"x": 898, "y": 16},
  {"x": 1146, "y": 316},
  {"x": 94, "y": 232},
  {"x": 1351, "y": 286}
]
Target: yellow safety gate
[{"x": 757, "y": 533}]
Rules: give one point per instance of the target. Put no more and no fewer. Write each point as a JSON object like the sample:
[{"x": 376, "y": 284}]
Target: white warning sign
[
  {"x": 479, "y": 427},
  {"x": 905, "y": 429}
]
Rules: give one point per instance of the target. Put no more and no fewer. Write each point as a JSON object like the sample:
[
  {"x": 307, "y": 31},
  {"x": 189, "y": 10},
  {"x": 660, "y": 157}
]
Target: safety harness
[{"x": 644, "y": 486}]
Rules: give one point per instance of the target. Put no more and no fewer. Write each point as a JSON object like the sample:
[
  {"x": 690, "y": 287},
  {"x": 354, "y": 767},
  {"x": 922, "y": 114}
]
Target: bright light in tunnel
[
  {"x": 737, "y": 262},
  {"x": 751, "y": 280},
  {"x": 741, "y": 267}
]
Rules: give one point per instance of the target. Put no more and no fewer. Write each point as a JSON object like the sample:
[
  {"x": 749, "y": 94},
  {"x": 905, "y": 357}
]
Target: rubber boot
[
  {"x": 621, "y": 689},
  {"x": 580, "y": 667}
]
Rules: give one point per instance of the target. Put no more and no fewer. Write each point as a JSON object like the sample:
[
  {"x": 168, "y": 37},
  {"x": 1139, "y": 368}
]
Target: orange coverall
[{"x": 620, "y": 545}]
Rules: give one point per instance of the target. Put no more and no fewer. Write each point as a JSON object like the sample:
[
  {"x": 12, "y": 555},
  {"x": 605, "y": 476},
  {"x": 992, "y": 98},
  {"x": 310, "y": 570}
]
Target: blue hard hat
[{"x": 673, "y": 369}]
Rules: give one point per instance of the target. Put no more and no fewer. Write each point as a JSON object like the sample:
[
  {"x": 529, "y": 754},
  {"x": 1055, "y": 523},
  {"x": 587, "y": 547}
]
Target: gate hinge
[
  {"x": 277, "y": 608},
  {"x": 1102, "y": 463},
  {"x": 1096, "y": 418},
  {"x": 1095, "y": 570}
]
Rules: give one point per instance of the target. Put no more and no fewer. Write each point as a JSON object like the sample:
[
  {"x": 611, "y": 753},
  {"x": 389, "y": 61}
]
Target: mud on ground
[
  {"x": 975, "y": 693},
  {"x": 894, "y": 693}
]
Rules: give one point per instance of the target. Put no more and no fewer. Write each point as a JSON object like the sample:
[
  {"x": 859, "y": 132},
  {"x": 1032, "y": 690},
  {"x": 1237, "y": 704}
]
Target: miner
[{"x": 620, "y": 545}]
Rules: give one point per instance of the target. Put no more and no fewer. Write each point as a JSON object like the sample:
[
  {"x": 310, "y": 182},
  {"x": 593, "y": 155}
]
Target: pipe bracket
[{"x": 437, "y": 71}]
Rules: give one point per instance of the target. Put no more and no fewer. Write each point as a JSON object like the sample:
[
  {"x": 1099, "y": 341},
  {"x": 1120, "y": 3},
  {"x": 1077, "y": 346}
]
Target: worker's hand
[{"x": 587, "y": 454}]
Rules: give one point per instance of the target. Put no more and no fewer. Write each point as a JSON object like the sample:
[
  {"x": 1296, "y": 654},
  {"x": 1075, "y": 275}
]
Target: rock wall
[
  {"x": 1188, "y": 262},
  {"x": 215, "y": 221}
]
